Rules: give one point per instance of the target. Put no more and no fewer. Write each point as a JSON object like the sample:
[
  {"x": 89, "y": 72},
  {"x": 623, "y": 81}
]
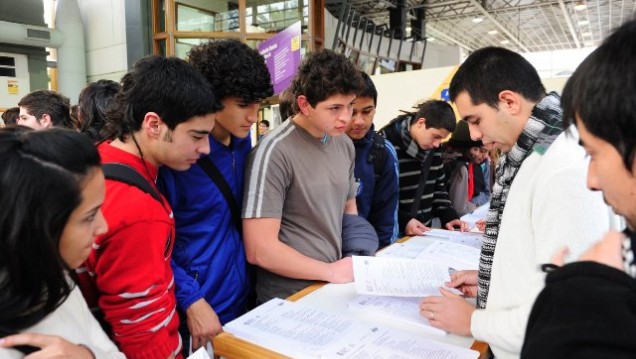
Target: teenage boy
[
  {"x": 42, "y": 109},
  {"x": 587, "y": 308},
  {"x": 539, "y": 201},
  {"x": 210, "y": 269},
  {"x": 423, "y": 195},
  {"x": 162, "y": 115},
  {"x": 300, "y": 183},
  {"x": 376, "y": 167}
]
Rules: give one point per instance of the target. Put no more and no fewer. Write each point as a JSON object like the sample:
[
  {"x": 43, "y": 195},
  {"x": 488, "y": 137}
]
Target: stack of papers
[{"x": 302, "y": 332}]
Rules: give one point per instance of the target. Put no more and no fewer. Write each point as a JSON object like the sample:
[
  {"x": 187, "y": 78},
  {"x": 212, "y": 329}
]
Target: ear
[
  {"x": 151, "y": 125},
  {"x": 421, "y": 122},
  {"x": 303, "y": 104},
  {"x": 510, "y": 101},
  {"x": 46, "y": 121}
]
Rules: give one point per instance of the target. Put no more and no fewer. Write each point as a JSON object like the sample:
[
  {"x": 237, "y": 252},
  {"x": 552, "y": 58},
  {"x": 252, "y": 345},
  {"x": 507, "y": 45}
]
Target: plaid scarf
[
  {"x": 408, "y": 144},
  {"x": 543, "y": 127}
]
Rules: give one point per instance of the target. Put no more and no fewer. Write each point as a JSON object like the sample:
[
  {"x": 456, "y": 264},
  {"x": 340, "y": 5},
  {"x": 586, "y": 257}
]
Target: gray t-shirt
[{"x": 305, "y": 182}]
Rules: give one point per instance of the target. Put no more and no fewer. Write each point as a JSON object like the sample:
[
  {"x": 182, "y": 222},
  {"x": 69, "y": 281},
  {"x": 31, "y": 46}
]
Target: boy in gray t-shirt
[{"x": 300, "y": 183}]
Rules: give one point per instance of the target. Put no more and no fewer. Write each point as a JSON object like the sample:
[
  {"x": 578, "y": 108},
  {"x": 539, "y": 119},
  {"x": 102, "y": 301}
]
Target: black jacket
[{"x": 586, "y": 310}]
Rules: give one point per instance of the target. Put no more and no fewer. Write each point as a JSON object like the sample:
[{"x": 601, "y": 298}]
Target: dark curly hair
[
  {"x": 41, "y": 102},
  {"x": 234, "y": 70},
  {"x": 324, "y": 73},
  {"x": 94, "y": 103},
  {"x": 167, "y": 86}
]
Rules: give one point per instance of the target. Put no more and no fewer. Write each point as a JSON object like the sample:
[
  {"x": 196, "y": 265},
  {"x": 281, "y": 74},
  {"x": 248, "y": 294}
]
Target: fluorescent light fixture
[
  {"x": 504, "y": 42},
  {"x": 580, "y": 7},
  {"x": 478, "y": 19},
  {"x": 430, "y": 39},
  {"x": 587, "y": 34},
  {"x": 493, "y": 32},
  {"x": 408, "y": 28},
  {"x": 588, "y": 44},
  {"x": 584, "y": 22}
]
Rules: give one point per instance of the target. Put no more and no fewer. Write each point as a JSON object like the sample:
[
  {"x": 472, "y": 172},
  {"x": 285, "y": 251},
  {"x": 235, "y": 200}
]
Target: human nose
[
  {"x": 592, "y": 179},
  {"x": 102, "y": 225},
  {"x": 437, "y": 143},
  {"x": 252, "y": 113},
  {"x": 204, "y": 149},
  {"x": 475, "y": 132}
]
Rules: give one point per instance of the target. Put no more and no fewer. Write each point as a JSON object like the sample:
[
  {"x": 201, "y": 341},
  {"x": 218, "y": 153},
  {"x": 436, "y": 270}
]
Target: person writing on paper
[
  {"x": 587, "y": 308},
  {"x": 539, "y": 201},
  {"x": 299, "y": 183},
  {"x": 51, "y": 190},
  {"x": 423, "y": 195}
]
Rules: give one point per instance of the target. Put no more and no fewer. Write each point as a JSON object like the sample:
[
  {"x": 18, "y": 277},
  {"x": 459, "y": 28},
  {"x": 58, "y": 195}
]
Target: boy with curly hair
[
  {"x": 211, "y": 279},
  {"x": 300, "y": 182}
]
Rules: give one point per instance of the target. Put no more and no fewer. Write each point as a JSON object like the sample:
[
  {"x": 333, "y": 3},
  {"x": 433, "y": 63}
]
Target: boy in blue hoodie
[{"x": 210, "y": 269}]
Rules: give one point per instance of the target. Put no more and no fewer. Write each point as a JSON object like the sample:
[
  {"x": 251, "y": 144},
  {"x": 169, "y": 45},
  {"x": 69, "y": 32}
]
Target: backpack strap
[
  {"x": 126, "y": 174},
  {"x": 377, "y": 155},
  {"x": 215, "y": 175}
]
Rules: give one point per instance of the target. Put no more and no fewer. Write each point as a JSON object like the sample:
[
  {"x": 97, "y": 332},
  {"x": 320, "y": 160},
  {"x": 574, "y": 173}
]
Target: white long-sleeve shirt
[
  {"x": 548, "y": 206},
  {"x": 74, "y": 322}
]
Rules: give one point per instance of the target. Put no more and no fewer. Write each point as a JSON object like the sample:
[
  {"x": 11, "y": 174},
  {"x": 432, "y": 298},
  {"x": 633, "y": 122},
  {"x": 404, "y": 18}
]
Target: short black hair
[
  {"x": 368, "y": 90},
  {"x": 95, "y": 101},
  {"x": 265, "y": 122},
  {"x": 602, "y": 92},
  {"x": 167, "y": 86},
  {"x": 234, "y": 70},
  {"x": 490, "y": 70},
  {"x": 438, "y": 114},
  {"x": 322, "y": 74},
  {"x": 42, "y": 174},
  {"x": 10, "y": 116},
  {"x": 41, "y": 102}
]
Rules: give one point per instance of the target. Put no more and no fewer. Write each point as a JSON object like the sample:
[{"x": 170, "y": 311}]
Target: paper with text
[
  {"x": 382, "y": 342},
  {"x": 398, "y": 276},
  {"x": 453, "y": 255},
  {"x": 468, "y": 238},
  {"x": 405, "y": 309},
  {"x": 291, "y": 329}
]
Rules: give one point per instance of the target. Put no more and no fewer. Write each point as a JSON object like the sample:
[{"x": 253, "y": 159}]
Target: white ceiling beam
[
  {"x": 442, "y": 35},
  {"x": 497, "y": 24},
  {"x": 568, "y": 20}
]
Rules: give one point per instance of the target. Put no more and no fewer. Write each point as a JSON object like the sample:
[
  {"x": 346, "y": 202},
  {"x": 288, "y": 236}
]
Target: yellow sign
[
  {"x": 295, "y": 43},
  {"x": 12, "y": 87}
]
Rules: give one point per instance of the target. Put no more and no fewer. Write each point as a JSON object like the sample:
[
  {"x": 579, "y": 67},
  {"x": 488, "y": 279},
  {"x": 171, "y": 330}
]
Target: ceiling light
[
  {"x": 408, "y": 29},
  {"x": 584, "y": 22},
  {"x": 588, "y": 44},
  {"x": 430, "y": 39},
  {"x": 478, "y": 19},
  {"x": 587, "y": 34},
  {"x": 580, "y": 7},
  {"x": 504, "y": 42},
  {"x": 493, "y": 32}
]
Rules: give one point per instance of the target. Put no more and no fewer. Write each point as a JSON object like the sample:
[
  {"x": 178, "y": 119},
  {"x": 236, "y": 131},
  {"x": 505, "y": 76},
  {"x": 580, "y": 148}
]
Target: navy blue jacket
[
  {"x": 209, "y": 256},
  {"x": 377, "y": 202}
]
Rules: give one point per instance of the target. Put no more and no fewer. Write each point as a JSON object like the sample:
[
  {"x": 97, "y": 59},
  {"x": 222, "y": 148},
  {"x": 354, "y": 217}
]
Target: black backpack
[
  {"x": 377, "y": 155},
  {"x": 126, "y": 174}
]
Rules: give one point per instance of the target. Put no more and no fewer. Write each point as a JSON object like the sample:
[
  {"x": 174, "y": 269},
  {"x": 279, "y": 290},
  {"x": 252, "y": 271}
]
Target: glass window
[
  {"x": 215, "y": 15},
  {"x": 194, "y": 19},
  {"x": 183, "y": 46},
  {"x": 366, "y": 63},
  {"x": 272, "y": 16}
]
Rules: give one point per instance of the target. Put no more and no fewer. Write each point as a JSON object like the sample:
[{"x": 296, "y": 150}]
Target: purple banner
[{"x": 282, "y": 56}]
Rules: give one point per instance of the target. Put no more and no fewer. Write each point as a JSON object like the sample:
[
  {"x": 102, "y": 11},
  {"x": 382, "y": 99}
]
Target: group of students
[{"x": 158, "y": 222}]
